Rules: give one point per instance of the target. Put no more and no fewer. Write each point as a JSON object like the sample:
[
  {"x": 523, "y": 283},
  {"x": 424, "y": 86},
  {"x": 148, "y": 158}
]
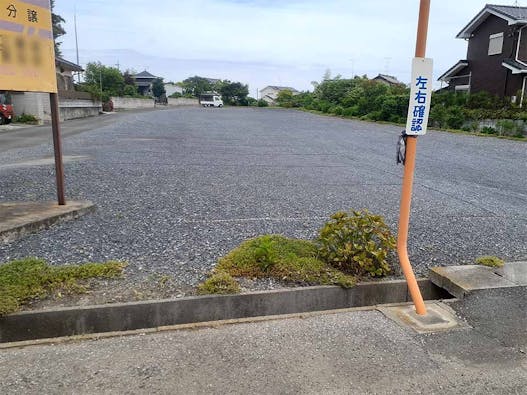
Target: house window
[{"x": 495, "y": 43}]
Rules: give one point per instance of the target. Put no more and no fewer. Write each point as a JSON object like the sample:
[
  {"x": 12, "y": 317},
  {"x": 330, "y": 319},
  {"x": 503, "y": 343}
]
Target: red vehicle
[{"x": 6, "y": 109}]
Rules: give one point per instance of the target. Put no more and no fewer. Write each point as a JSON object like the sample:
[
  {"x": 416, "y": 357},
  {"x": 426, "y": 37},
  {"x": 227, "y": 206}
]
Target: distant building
[
  {"x": 496, "y": 59},
  {"x": 387, "y": 79},
  {"x": 144, "y": 81},
  {"x": 270, "y": 93},
  {"x": 172, "y": 88},
  {"x": 65, "y": 71}
]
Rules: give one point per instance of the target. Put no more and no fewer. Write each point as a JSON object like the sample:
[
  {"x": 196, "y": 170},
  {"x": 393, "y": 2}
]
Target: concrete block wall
[
  {"x": 129, "y": 103},
  {"x": 37, "y": 104},
  {"x": 182, "y": 101}
]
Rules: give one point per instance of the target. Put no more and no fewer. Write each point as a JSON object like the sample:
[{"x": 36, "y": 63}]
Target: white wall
[{"x": 31, "y": 103}]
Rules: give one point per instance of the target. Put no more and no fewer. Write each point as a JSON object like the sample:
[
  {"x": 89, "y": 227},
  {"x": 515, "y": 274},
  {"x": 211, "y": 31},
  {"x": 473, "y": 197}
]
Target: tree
[
  {"x": 234, "y": 93},
  {"x": 128, "y": 77},
  {"x": 196, "y": 85},
  {"x": 98, "y": 77},
  {"x": 285, "y": 98},
  {"x": 158, "y": 87},
  {"x": 58, "y": 29}
]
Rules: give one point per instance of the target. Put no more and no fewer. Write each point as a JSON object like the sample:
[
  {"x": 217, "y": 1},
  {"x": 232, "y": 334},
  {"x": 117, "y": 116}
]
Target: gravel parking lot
[{"x": 177, "y": 188}]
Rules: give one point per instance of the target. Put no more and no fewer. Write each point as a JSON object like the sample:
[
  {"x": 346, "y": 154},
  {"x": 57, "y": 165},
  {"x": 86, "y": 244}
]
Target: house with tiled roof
[
  {"x": 496, "y": 59},
  {"x": 144, "y": 81},
  {"x": 387, "y": 79},
  {"x": 270, "y": 93}
]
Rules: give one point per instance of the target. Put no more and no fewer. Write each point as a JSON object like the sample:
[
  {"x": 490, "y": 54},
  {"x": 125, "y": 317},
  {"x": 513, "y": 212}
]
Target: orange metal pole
[{"x": 408, "y": 178}]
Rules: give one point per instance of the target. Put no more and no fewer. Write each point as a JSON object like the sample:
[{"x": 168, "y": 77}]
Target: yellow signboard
[{"x": 27, "y": 55}]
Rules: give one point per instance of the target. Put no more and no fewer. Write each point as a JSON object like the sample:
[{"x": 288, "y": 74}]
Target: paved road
[
  {"x": 347, "y": 353},
  {"x": 178, "y": 188}
]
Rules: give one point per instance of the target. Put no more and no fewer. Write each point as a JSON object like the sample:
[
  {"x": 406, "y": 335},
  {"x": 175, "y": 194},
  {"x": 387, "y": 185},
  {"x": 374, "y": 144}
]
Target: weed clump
[
  {"x": 220, "y": 283},
  {"x": 490, "y": 261},
  {"x": 25, "y": 279},
  {"x": 349, "y": 245},
  {"x": 358, "y": 243}
]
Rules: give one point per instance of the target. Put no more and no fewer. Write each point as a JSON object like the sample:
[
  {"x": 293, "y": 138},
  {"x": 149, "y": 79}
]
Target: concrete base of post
[{"x": 438, "y": 318}]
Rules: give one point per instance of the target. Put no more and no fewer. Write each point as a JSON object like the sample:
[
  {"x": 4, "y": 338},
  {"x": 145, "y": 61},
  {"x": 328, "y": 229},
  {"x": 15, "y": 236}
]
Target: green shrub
[
  {"x": 358, "y": 243},
  {"x": 509, "y": 128},
  {"x": 375, "y": 116},
  {"x": 26, "y": 118},
  {"x": 438, "y": 115},
  {"x": 489, "y": 130},
  {"x": 262, "y": 103},
  {"x": 489, "y": 260},
  {"x": 337, "y": 110},
  {"x": 455, "y": 118},
  {"x": 176, "y": 95},
  {"x": 130, "y": 91},
  {"x": 324, "y": 106},
  {"x": 350, "y": 111},
  {"x": 219, "y": 283}
]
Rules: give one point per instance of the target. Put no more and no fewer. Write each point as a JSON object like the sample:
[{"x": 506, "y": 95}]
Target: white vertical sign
[{"x": 420, "y": 96}]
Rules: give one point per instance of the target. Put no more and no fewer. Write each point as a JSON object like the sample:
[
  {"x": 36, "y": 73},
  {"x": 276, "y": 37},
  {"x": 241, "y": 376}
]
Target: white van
[{"x": 210, "y": 100}]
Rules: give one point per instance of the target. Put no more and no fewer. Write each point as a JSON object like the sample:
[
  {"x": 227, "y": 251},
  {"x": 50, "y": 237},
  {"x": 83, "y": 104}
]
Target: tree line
[
  {"x": 233, "y": 93},
  {"x": 367, "y": 99}
]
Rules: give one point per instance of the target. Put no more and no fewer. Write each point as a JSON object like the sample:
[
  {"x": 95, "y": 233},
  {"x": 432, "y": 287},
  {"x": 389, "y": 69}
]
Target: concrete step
[{"x": 461, "y": 280}]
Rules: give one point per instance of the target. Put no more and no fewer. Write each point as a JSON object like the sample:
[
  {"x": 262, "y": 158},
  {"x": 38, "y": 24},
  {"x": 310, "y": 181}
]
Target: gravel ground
[{"x": 176, "y": 189}]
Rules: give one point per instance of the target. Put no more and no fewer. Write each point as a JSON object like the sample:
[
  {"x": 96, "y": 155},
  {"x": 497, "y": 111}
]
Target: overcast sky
[{"x": 264, "y": 42}]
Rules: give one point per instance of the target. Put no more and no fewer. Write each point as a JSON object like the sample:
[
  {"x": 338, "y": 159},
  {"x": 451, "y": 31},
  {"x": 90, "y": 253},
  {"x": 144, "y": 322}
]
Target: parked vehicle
[
  {"x": 6, "y": 109},
  {"x": 210, "y": 100}
]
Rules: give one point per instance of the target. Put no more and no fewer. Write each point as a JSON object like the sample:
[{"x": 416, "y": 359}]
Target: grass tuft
[
  {"x": 219, "y": 283},
  {"x": 490, "y": 261},
  {"x": 29, "y": 278}
]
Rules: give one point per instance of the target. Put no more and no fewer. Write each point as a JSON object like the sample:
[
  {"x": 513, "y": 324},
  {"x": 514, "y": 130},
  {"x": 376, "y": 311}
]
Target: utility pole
[{"x": 76, "y": 42}]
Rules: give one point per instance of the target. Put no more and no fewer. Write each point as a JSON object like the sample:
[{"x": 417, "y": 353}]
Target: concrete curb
[
  {"x": 158, "y": 313},
  {"x": 34, "y": 216},
  {"x": 463, "y": 280}
]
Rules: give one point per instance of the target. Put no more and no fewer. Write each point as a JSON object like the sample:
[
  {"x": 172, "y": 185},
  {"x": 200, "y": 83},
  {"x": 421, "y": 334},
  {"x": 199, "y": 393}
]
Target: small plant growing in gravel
[
  {"x": 357, "y": 242},
  {"x": 264, "y": 253},
  {"x": 219, "y": 283},
  {"x": 490, "y": 261}
]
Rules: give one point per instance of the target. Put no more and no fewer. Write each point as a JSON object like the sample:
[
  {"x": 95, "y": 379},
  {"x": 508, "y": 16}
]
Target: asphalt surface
[
  {"x": 360, "y": 352},
  {"x": 178, "y": 188}
]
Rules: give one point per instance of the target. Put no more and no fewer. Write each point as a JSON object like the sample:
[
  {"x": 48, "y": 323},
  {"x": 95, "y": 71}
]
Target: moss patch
[
  {"x": 25, "y": 279},
  {"x": 219, "y": 283},
  {"x": 490, "y": 261},
  {"x": 282, "y": 258}
]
